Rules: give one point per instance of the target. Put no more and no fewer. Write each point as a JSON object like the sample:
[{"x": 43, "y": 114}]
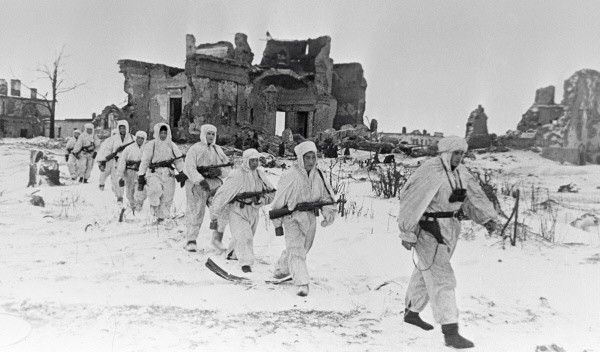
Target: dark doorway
[
  {"x": 302, "y": 123},
  {"x": 23, "y": 133},
  {"x": 175, "y": 105},
  {"x": 174, "y": 116}
]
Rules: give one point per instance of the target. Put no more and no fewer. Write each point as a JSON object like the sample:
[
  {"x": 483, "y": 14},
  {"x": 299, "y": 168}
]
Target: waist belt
[{"x": 458, "y": 214}]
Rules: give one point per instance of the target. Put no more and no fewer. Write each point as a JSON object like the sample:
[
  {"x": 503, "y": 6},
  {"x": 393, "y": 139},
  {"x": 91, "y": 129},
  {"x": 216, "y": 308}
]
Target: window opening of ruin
[
  {"x": 279, "y": 122},
  {"x": 175, "y": 107},
  {"x": 226, "y": 112},
  {"x": 252, "y": 116}
]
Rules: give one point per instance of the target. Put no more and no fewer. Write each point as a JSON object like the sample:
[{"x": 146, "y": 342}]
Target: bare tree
[{"x": 55, "y": 73}]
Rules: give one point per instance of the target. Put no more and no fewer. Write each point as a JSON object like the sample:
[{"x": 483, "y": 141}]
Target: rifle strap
[{"x": 325, "y": 184}]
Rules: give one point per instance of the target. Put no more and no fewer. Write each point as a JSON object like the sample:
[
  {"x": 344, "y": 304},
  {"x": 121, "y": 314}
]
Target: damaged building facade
[
  {"x": 21, "y": 116},
  {"x": 569, "y": 131},
  {"x": 220, "y": 85}
]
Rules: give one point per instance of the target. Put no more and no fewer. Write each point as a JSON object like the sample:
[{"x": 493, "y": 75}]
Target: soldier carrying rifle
[
  {"x": 85, "y": 152},
  {"x": 108, "y": 157},
  {"x": 127, "y": 168},
  {"x": 238, "y": 201},
  {"x": 206, "y": 165},
  {"x": 302, "y": 183},
  {"x": 160, "y": 158}
]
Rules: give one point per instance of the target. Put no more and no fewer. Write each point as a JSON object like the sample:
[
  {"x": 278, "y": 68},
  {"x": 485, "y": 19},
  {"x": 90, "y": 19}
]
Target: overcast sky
[{"x": 428, "y": 64}]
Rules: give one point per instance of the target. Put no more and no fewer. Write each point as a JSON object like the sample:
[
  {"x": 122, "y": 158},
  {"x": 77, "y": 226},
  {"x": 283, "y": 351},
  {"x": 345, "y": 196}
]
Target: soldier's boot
[
  {"x": 453, "y": 338},
  {"x": 302, "y": 291},
  {"x": 414, "y": 319}
]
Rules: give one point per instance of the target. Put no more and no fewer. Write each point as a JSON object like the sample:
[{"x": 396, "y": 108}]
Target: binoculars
[{"x": 458, "y": 195}]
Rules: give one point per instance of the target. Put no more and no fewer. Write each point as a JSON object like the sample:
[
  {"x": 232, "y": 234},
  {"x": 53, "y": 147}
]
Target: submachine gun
[{"x": 309, "y": 206}]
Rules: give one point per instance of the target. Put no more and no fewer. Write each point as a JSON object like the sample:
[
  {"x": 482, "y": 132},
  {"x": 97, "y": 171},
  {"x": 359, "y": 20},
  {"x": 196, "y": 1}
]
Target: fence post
[{"x": 514, "y": 239}]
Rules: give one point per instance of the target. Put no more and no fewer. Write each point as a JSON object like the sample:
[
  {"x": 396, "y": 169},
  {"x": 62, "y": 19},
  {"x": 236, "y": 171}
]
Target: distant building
[
  {"x": 415, "y": 138},
  {"x": 21, "y": 116},
  {"x": 64, "y": 128}
]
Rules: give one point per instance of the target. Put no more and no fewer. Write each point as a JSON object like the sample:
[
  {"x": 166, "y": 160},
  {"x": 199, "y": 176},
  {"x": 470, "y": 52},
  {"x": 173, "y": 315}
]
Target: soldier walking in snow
[
  {"x": 432, "y": 203},
  {"x": 109, "y": 155},
  {"x": 160, "y": 158},
  {"x": 204, "y": 155},
  {"x": 302, "y": 183},
  {"x": 85, "y": 152},
  {"x": 238, "y": 201},
  {"x": 70, "y": 158},
  {"x": 127, "y": 169}
]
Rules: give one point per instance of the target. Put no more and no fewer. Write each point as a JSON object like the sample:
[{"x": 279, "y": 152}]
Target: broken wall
[
  {"x": 349, "y": 88},
  {"x": 147, "y": 86}
]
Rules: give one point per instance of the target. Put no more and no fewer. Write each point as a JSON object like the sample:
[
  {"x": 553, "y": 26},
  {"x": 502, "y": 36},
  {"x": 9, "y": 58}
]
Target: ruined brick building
[
  {"x": 21, "y": 116},
  {"x": 221, "y": 86}
]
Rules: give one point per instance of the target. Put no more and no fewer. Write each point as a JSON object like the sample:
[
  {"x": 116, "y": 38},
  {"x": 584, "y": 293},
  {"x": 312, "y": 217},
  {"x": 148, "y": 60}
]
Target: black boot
[
  {"x": 414, "y": 319},
  {"x": 81, "y": 180},
  {"x": 453, "y": 338},
  {"x": 246, "y": 268},
  {"x": 85, "y": 180}
]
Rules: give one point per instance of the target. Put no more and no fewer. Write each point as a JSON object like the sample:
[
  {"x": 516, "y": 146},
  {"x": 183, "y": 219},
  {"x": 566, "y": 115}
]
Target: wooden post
[{"x": 514, "y": 239}]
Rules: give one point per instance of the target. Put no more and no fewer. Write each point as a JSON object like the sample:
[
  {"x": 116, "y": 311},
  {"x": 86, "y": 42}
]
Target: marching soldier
[
  {"x": 127, "y": 169},
  {"x": 238, "y": 201},
  {"x": 69, "y": 157},
  {"x": 201, "y": 185},
  {"x": 159, "y": 160},
  {"x": 109, "y": 154},
  {"x": 85, "y": 152}
]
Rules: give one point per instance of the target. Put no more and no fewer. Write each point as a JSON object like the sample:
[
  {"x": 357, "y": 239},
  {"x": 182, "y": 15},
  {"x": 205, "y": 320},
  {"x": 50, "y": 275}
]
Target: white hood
[
  {"x": 204, "y": 129},
  {"x": 304, "y": 148}
]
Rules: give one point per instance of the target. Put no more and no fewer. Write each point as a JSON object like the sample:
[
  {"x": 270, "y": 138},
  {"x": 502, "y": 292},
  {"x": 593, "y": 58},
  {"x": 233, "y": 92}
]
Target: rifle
[
  {"x": 309, "y": 206},
  {"x": 247, "y": 195},
  {"x": 111, "y": 156},
  {"x": 204, "y": 169},
  {"x": 166, "y": 163}
]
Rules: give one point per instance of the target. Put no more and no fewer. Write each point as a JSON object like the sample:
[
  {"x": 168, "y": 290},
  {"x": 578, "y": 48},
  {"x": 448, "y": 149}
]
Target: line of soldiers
[
  {"x": 152, "y": 169},
  {"x": 433, "y": 202}
]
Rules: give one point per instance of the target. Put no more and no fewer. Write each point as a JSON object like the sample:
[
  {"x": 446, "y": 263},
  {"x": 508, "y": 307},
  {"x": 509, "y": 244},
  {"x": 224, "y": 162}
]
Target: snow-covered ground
[{"x": 74, "y": 279}]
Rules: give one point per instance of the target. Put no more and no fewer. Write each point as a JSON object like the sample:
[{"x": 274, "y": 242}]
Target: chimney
[
  {"x": 3, "y": 87},
  {"x": 403, "y": 130},
  {"x": 424, "y": 132},
  {"x": 33, "y": 93},
  {"x": 15, "y": 87}
]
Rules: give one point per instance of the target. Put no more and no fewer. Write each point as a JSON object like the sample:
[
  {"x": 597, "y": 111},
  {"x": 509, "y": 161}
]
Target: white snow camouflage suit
[
  {"x": 202, "y": 154},
  {"x": 86, "y": 145},
  {"x": 72, "y": 160},
  {"x": 242, "y": 215},
  {"x": 429, "y": 190},
  {"x": 297, "y": 186},
  {"x": 161, "y": 183},
  {"x": 132, "y": 153},
  {"x": 110, "y": 145}
]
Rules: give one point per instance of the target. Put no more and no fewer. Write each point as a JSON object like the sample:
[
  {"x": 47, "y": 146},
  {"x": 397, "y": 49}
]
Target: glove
[
  {"x": 67, "y": 157},
  {"x": 121, "y": 182},
  {"x": 327, "y": 219},
  {"x": 408, "y": 245},
  {"x": 141, "y": 182},
  {"x": 102, "y": 165},
  {"x": 214, "y": 224},
  {"x": 279, "y": 231},
  {"x": 490, "y": 226},
  {"x": 212, "y": 173},
  {"x": 205, "y": 186},
  {"x": 94, "y": 155},
  {"x": 181, "y": 178}
]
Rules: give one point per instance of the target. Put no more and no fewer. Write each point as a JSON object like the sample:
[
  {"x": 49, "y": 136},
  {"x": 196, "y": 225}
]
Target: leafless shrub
[{"x": 389, "y": 179}]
